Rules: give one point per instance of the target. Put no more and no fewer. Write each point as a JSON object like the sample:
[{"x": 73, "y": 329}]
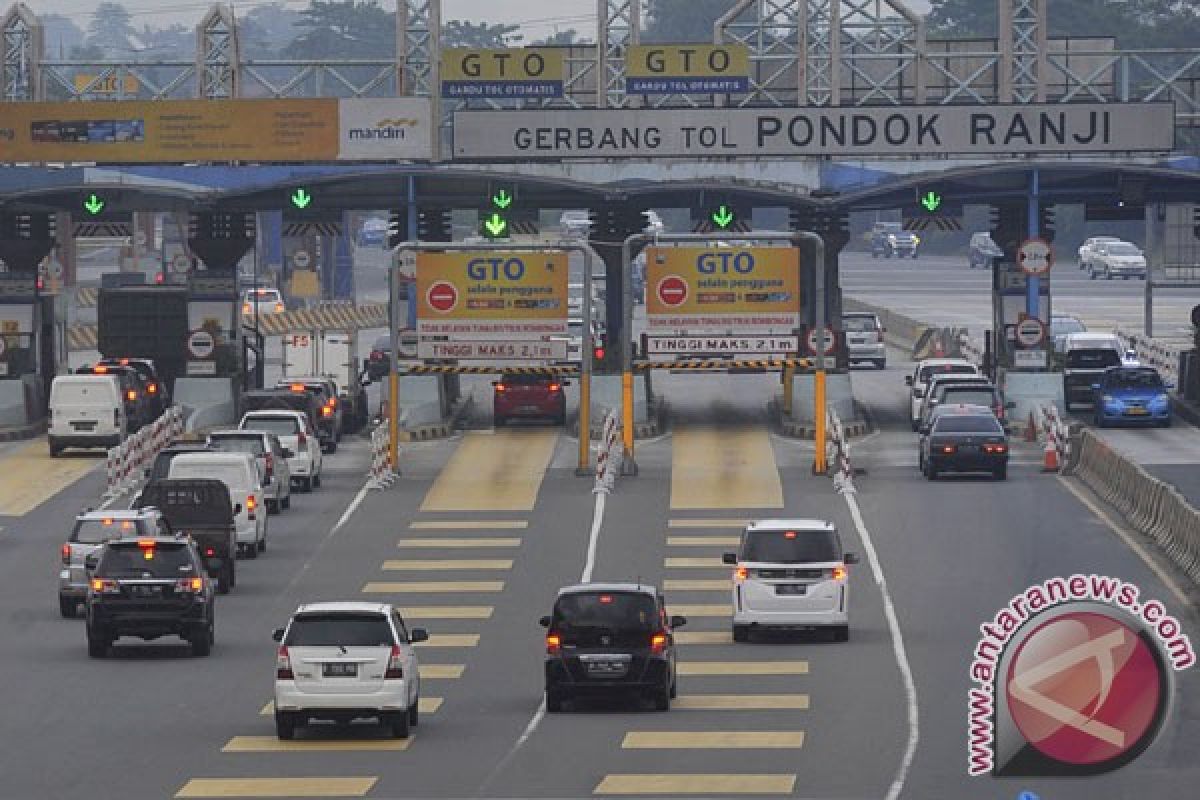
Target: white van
[
  {"x": 239, "y": 473},
  {"x": 85, "y": 411}
]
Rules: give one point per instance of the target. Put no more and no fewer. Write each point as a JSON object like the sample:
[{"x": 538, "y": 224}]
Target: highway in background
[{"x": 474, "y": 540}]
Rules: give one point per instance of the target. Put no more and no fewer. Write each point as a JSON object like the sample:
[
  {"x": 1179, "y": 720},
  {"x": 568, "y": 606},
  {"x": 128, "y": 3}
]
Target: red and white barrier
[
  {"x": 837, "y": 455},
  {"x": 382, "y": 473},
  {"x": 612, "y": 451},
  {"x": 127, "y": 462},
  {"x": 1057, "y": 439}
]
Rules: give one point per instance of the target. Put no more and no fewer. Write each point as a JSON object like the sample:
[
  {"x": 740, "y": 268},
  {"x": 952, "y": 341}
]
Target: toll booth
[{"x": 27, "y": 349}]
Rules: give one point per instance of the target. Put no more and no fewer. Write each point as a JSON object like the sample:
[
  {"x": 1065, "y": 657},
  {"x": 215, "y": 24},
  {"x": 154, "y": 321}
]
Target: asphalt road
[{"x": 791, "y": 716}]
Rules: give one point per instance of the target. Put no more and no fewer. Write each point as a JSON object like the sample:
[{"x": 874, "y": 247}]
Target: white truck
[{"x": 333, "y": 355}]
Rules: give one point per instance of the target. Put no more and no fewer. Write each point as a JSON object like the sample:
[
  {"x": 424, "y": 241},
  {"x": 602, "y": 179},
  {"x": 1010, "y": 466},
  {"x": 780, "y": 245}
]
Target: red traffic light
[{"x": 598, "y": 353}]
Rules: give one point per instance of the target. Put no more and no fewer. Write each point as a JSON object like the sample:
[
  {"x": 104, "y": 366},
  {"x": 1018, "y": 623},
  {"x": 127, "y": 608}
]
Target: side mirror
[
  {"x": 678, "y": 621},
  {"x": 850, "y": 558},
  {"x": 544, "y": 622},
  {"x": 418, "y": 635},
  {"x": 908, "y": 380},
  {"x": 729, "y": 558},
  {"x": 1010, "y": 405},
  {"x": 566, "y": 383},
  {"x": 90, "y": 562},
  {"x": 237, "y": 508},
  {"x": 365, "y": 380},
  {"x": 277, "y": 634}
]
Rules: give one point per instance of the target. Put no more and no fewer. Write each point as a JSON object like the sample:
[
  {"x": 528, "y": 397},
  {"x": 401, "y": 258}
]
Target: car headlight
[
  {"x": 916, "y": 240},
  {"x": 1109, "y": 400},
  {"x": 1160, "y": 400},
  {"x": 892, "y": 238}
]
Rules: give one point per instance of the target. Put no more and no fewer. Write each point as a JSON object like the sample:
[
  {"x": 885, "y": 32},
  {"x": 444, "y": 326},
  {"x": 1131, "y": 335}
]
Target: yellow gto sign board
[
  {"x": 469, "y": 295},
  {"x": 109, "y": 84},
  {"x": 687, "y": 68},
  {"x": 722, "y": 289},
  {"x": 185, "y": 131},
  {"x": 506, "y": 72}
]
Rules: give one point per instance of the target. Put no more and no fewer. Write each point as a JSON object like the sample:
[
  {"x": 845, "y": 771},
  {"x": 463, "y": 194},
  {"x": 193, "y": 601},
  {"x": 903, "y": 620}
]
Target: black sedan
[{"x": 966, "y": 440}]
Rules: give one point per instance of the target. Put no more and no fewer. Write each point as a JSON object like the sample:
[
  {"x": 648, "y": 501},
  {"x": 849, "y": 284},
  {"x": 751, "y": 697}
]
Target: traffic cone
[
  {"x": 1031, "y": 429},
  {"x": 1050, "y": 455}
]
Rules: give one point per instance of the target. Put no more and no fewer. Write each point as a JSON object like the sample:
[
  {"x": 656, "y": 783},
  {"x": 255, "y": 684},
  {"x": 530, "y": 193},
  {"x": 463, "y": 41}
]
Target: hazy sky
[{"x": 538, "y": 17}]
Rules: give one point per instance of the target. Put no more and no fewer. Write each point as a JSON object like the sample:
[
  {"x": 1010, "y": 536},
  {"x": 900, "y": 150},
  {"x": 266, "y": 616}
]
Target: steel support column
[
  {"x": 218, "y": 56},
  {"x": 22, "y": 48},
  {"x": 1022, "y": 40},
  {"x": 619, "y": 26}
]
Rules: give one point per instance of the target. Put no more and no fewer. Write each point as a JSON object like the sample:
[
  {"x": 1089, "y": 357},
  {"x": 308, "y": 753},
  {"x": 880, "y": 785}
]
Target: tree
[
  {"x": 344, "y": 29},
  {"x": 464, "y": 33},
  {"x": 163, "y": 42},
  {"x": 61, "y": 34},
  {"x": 682, "y": 20},
  {"x": 268, "y": 29},
  {"x": 560, "y": 38},
  {"x": 1134, "y": 23},
  {"x": 110, "y": 29}
]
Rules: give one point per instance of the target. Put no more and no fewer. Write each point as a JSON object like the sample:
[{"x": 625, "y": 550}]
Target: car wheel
[
  {"x": 67, "y": 606},
  {"x": 498, "y": 421},
  {"x": 285, "y": 726},
  {"x": 316, "y": 481},
  {"x": 414, "y": 712},
  {"x": 881, "y": 364},
  {"x": 1091, "y": 274},
  {"x": 272, "y": 506},
  {"x": 251, "y": 550},
  {"x": 560, "y": 419},
  {"x": 1166, "y": 423},
  {"x": 915, "y": 424},
  {"x": 305, "y": 484},
  {"x": 202, "y": 641},
  {"x": 55, "y": 450},
  {"x": 231, "y": 570},
  {"x": 398, "y": 723},
  {"x": 841, "y": 633},
  {"x": 223, "y": 584},
  {"x": 931, "y": 472},
  {"x": 662, "y": 699},
  {"x": 286, "y": 502},
  {"x": 554, "y": 701},
  {"x": 1000, "y": 473},
  {"x": 674, "y": 687},
  {"x": 332, "y": 447},
  {"x": 741, "y": 633},
  {"x": 97, "y": 645}
]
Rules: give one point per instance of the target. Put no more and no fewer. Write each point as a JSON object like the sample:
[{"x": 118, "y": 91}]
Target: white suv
[
  {"x": 295, "y": 433},
  {"x": 345, "y": 661},
  {"x": 924, "y": 372},
  {"x": 790, "y": 573}
]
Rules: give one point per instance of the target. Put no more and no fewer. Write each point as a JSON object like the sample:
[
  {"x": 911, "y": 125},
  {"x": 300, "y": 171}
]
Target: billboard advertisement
[
  {"x": 722, "y": 289},
  {"x": 187, "y": 131},
  {"x": 489, "y": 294}
]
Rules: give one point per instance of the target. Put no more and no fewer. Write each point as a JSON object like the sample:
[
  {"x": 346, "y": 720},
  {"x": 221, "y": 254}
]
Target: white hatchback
[
  {"x": 346, "y": 661},
  {"x": 790, "y": 573}
]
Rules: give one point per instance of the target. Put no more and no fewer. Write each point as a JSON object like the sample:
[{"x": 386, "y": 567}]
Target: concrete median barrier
[{"x": 1153, "y": 507}]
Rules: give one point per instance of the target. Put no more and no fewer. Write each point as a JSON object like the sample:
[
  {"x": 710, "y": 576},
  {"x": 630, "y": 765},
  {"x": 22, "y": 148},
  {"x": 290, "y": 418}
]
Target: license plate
[
  {"x": 604, "y": 668},
  {"x": 791, "y": 588},
  {"x": 968, "y": 449},
  {"x": 83, "y": 426},
  {"x": 147, "y": 591},
  {"x": 340, "y": 670},
  {"x": 530, "y": 409},
  {"x": 1136, "y": 412}
]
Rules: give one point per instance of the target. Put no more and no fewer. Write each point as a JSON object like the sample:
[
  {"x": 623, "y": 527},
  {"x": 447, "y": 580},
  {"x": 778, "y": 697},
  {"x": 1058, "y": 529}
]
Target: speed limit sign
[{"x": 1035, "y": 256}]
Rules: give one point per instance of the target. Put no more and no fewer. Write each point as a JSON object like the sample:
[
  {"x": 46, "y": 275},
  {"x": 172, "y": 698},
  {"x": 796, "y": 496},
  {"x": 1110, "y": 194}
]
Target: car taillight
[
  {"x": 740, "y": 574},
  {"x": 160, "y": 278},
  {"x": 209, "y": 552},
  {"x": 947, "y": 448},
  {"x": 995, "y": 449},
  {"x": 189, "y": 585},
  {"x": 105, "y": 586},
  {"x": 838, "y": 574},
  {"x": 376, "y": 355},
  {"x": 251, "y": 505},
  {"x": 152, "y": 388},
  {"x": 278, "y": 308},
  {"x": 246, "y": 308},
  {"x": 998, "y": 410},
  {"x": 554, "y": 387},
  {"x": 326, "y": 411},
  {"x": 332, "y": 402},
  {"x": 658, "y": 642},
  {"x": 66, "y": 553},
  {"x": 131, "y": 395},
  {"x": 500, "y": 387},
  {"x": 301, "y": 439},
  {"x": 395, "y": 667},
  {"x": 553, "y": 644},
  {"x": 283, "y": 665}
]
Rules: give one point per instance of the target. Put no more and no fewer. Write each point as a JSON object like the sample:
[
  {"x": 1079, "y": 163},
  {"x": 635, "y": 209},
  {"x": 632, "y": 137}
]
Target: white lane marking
[
  {"x": 350, "y": 509},
  {"x": 906, "y": 675},
  {"x": 107, "y": 503},
  {"x": 586, "y": 577},
  {"x": 349, "y": 512},
  {"x": 1124, "y": 534}
]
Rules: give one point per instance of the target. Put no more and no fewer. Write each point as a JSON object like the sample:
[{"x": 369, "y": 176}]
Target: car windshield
[
  {"x": 95, "y": 531},
  {"x": 859, "y": 324},
  {"x": 383, "y": 343},
  {"x": 1134, "y": 379},
  {"x": 967, "y": 423},
  {"x": 615, "y": 611},
  {"x": 970, "y": 397},
  {"x": 790, "y": 547},
  {"x": 1123, "y": 249},
  {"x": 160, "y": 560},
  {"x": 238, "y": 444},
  {"x": 331, "y": 630},
  {"x": 1061, "y": 325},
  {"x": 280, "y": 426},
  {"x": 945, "y": 369},
  {"x": 1093, "y": 358}
]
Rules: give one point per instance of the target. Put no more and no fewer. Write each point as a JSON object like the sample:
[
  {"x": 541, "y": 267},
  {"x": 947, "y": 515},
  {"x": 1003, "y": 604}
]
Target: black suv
[
  {"x": 156, "y": 390},
  {"x": 610, "y": 638},
  {"x": 149, "y": 587}
]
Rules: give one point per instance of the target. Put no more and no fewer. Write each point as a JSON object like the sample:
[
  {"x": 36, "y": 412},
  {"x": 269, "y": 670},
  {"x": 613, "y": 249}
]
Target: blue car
[{"x": 1131, "y": 394}]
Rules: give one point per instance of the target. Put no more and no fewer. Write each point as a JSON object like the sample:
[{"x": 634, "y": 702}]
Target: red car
[{"x": 529, "y": 396}]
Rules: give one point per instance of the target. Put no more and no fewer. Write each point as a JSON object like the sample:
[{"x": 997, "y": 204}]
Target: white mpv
[
  {"x": 345, "y": 661},
  {"x": 790, "y": 573}
]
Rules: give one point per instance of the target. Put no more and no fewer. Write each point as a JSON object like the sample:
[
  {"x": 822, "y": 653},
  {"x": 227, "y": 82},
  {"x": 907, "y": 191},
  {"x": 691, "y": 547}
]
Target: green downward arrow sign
[
  {"x": 502, "y": 199},
  {"x": 93, "y": 204},
  {"x": 301, "y": 198},
  {"x": 931, "y": 201},
  {"x": 723, "y": 216},
  {"x": 496, "y": 225}
]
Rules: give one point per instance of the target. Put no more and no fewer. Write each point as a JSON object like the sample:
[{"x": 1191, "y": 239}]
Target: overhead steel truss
[{"x": 802, "y": 52}]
